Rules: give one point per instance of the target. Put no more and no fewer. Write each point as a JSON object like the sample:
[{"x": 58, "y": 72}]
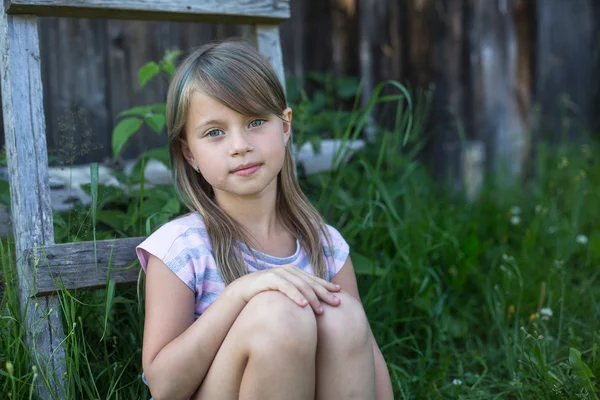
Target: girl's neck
[{"x": 257, "y": 215}]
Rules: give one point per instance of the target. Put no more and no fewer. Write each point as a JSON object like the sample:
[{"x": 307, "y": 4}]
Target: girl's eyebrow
[{"x": 209, "y": 122}]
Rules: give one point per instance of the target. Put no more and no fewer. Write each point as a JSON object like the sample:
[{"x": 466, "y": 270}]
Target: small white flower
[
  {"x": 515, "y": 210},
  {"x": 581, "y": 239},
  {"x": 507, "y": 258},
  {"x": 457, "y": 382},
  {"x": 515, "y": 220},
  {"x": 546, "y": 312},
  {"x": 564, "y": 163}
]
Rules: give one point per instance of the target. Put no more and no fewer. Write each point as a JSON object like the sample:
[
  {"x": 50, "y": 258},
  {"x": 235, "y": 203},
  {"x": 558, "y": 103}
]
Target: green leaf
[
  {"x": 319, "y": 77},
  {"x": 168, "y": 62},
  {"x": 139, "y": 111},
  {"x": 160, "y": 108},
  {"x": 347, "y": 87},
  {"x": 168, "y": 69},
  {"x": 147, "y": 72},
  {"x": 581, "y": 370},
  {"x": 160, "y": 154},
  {"x": 156, "y": 122},
  {"x": 171, "y": 56},
  {"x": 122, "y": 132},
  {"x": 116, "y": 219},
  {"x": 110, "y": 295},
  {"x": 94, "y": 189},
  {"x": 4, "y": 192},
  {"x": 173, "y": 206}
]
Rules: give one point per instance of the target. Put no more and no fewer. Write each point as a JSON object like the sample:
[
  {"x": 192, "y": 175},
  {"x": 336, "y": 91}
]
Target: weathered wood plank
[
  {"x": 24, "y": 127},
  {"x": 450, "y": 100},
  {"x": 73, "y": 266},
  {"x": 216, "y": 11},
  {"x": 566, "y": 75},
  {"x": 269, "y": 45},
  {"x": 292, "y": 33},
  {"x": 77, "y": 117},
  {"x": 497, "y": 118}
]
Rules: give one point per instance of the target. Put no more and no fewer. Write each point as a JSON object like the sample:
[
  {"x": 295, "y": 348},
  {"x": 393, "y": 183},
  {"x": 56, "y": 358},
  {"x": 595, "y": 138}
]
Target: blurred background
[{"x": 501, "y": 74}]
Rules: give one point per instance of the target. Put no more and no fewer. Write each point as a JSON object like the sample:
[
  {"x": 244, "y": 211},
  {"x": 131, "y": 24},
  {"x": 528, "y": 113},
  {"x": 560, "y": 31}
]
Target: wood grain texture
[
  {"x": 73, "y": 266},
  {"x": 231, "y": 11},
  {"x": 269, "y": 45},
  {"x": 565, "y": 80},
  {"x": 497, "y": 119},
  {"x": 24, "y": 127},
  {"x": 77, "y": 120}
]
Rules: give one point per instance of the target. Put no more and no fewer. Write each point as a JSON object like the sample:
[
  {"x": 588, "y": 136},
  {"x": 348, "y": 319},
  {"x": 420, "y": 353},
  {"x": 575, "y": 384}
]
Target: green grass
[{"x": 454, "y": 290}]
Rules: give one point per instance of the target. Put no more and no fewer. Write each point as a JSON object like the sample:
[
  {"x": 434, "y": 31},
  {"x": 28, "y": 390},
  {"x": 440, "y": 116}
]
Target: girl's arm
[
  {"x": 177, "y": 351},
  {"x": 346, "y": 278}
]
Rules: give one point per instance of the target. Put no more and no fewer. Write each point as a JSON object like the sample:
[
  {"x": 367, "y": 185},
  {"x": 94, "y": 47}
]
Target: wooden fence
[{"x": 510, "y": 70}]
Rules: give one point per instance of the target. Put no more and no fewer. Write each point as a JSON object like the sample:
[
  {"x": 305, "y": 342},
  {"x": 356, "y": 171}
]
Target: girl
[{"x": 251, "y": 295}]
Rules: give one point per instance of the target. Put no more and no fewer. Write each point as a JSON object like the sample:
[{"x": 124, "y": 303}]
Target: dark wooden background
[{"x": 511, "y": 70}]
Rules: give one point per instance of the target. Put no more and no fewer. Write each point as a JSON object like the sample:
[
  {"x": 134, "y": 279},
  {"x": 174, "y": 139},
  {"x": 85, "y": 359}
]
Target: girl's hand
[{"x": 301, "y": 287}]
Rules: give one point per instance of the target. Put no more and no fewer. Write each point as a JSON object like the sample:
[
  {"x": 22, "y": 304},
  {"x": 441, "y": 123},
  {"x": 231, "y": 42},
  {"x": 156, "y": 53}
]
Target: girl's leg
[
  {"x": 345, "y": 366},
  {"x": 269, "y": 353}
]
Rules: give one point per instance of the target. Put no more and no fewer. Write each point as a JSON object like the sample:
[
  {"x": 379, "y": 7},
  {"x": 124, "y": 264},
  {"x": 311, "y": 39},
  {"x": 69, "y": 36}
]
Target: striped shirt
[{"x": 184, "y": 247}]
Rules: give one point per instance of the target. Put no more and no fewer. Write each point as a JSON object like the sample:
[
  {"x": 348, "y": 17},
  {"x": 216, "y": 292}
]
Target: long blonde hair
[{"x": 234, "y": 73}]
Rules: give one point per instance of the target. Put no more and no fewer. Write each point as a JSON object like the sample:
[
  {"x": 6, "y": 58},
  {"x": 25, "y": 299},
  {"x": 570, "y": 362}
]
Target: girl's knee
[
  {"x": 345, "y": 325},
  {"x": 274, "y": 322}
]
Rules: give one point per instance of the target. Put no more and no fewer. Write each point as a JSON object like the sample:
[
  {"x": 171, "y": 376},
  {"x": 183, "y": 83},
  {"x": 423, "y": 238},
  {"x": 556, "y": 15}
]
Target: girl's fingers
[
  {"x": 291, "y": 291},
  {"x": 332, "y": 287},
  {"x": 325, "y": 295},
  {"x": 307, "y": 291}
]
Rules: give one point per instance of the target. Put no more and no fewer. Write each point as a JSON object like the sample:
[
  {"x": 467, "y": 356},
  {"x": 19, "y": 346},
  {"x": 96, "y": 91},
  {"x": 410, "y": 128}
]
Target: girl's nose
[{"x": 240, "y": 143}]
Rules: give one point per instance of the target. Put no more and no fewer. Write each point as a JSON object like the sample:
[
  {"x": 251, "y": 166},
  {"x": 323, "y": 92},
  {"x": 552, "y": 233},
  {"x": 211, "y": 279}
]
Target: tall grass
[{"x": 495, "y": 299}]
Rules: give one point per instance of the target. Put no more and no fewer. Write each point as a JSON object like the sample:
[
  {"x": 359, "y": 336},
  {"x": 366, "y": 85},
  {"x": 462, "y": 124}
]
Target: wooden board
[
  {"x": 73, "y": 266},
  {"x": 240, "y": 11},
  {"x": 496, "y": 115},
  {"x": 269, "y": 45},
  {"x": 24, "y": 127},
  {"x": 566, "y": 75},
  {"x": 78, "y": 122}
]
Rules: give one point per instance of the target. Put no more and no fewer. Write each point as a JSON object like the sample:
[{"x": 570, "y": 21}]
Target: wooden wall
[{"x": 492, "y": 63}]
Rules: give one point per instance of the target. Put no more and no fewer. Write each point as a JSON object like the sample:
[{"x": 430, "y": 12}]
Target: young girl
[{"x": 251, "y": 295}]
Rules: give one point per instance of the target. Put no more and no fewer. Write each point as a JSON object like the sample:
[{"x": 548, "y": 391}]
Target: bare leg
[
  {"x": 269, "y": 353},
  {"x": 345, "y": 366}
]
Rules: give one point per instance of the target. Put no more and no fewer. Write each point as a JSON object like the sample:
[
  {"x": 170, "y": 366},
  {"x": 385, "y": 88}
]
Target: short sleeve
[
  {"x": 182, "y": 249},
  {"x": 337, "y": 254}
]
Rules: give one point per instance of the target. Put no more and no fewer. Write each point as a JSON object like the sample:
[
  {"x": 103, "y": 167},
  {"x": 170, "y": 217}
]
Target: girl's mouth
[{"x": 246, "y": 170}]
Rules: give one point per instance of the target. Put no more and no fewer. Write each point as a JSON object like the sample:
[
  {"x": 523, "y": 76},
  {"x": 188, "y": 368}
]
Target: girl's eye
[
  {"x": 214, "y": 133},
  {"x": 257, "y": 122}
]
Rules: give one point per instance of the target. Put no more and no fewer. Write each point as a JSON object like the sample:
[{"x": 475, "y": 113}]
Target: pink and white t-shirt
[{"x": 183, "y": 245}]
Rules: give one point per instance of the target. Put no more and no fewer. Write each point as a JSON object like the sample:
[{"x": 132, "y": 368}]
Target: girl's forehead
[
  {"x": 204, "y": 108},
  {"x": 202, "y": 104}
]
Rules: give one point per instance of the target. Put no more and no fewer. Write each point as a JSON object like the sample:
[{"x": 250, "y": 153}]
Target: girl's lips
[{"x": 247, "y": 171}]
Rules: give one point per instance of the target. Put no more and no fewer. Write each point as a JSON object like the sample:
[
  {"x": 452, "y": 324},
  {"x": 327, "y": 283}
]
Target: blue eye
[
  {"x": 257, "y": 122},
  {"x": 213, "y": 133}
]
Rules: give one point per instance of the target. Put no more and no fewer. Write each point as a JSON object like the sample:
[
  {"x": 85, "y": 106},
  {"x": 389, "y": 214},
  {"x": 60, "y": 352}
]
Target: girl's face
[{"x": 236, "y": 154}]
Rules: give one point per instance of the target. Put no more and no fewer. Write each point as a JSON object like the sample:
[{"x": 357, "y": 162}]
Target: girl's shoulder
[
  {"x": 334, "y": 235},
  {"x": 178, "y": 236},
  {"x": 336, "y": 250}
]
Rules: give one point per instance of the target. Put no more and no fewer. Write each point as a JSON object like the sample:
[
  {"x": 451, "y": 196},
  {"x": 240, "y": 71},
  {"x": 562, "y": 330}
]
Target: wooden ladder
[{"x": 41, "y": 262}]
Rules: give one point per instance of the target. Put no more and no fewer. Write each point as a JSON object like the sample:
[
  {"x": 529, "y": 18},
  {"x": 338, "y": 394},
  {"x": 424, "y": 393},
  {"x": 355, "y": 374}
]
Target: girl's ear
[
  {"x": 287, "y": 124},
  {"x": 187, "y": 153}
]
